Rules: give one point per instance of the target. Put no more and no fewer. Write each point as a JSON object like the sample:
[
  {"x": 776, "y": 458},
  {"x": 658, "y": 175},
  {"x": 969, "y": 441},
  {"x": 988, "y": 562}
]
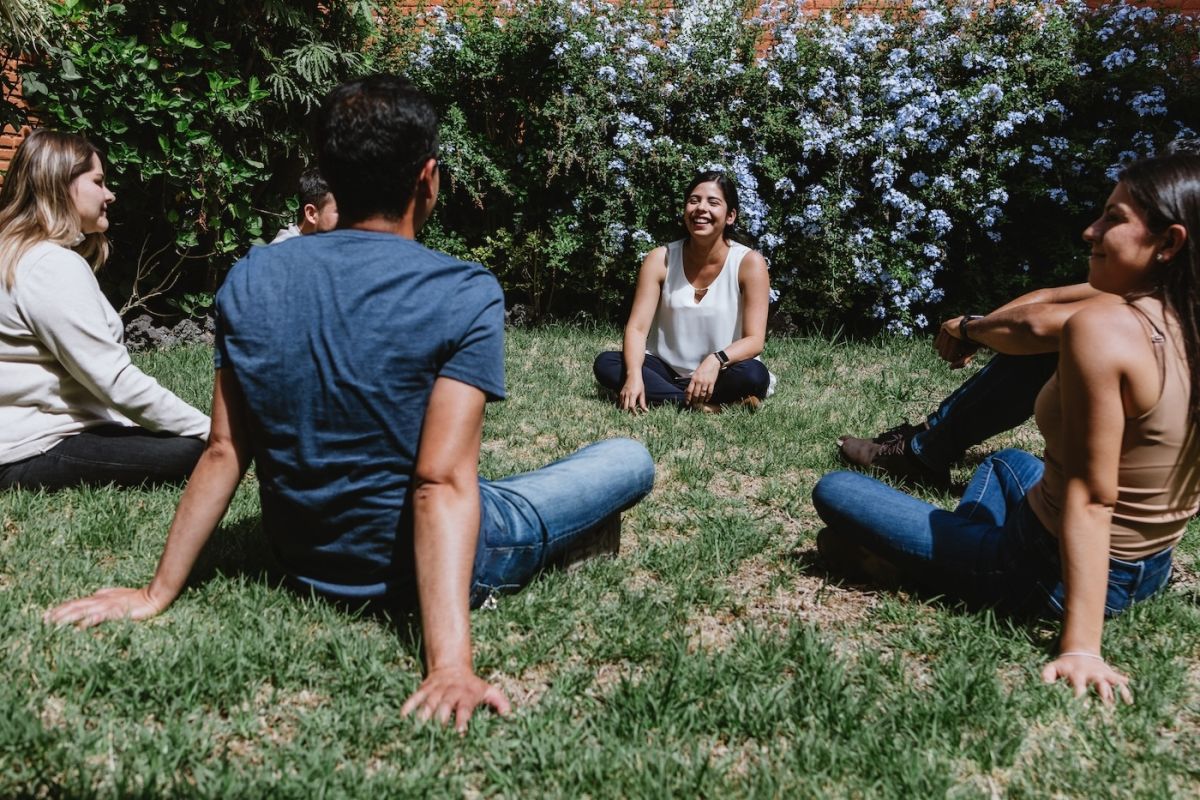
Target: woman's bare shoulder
[{"x": 1110, "y": 332}]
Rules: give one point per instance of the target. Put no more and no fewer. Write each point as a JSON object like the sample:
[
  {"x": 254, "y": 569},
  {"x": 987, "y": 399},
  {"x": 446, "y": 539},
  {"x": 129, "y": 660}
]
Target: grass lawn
[{"x": 713, "y": 658}]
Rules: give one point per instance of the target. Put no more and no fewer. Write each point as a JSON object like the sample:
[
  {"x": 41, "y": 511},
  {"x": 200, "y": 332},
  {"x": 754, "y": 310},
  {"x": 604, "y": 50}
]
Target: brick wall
[{"x": 10, "y": 139}]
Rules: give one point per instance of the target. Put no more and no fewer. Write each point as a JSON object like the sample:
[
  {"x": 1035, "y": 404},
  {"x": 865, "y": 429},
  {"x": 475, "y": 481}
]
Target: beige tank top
[{"x": 1158, "y": 479}]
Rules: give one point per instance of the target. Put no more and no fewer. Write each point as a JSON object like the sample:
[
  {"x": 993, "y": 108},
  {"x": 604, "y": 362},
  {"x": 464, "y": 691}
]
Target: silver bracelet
[{"x": 1081, "y": 653}]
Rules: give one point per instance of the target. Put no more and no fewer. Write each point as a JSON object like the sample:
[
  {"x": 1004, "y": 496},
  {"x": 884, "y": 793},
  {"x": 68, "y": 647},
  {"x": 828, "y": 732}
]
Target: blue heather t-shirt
[{"x": 336, "y": 340}]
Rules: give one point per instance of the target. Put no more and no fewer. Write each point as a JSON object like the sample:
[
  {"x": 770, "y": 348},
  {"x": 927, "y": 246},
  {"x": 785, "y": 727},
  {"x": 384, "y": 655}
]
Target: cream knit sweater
[{"x": 63, "y": 364}]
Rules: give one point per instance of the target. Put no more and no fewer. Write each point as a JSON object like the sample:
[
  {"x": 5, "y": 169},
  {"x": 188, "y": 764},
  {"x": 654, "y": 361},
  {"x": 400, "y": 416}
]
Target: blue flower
[
  {"x": 940, "y": 221},
  {"x": 990, "y": 92},
  {"x": 1151, "y": 103},
  {"x": 1119, "y": 58}
]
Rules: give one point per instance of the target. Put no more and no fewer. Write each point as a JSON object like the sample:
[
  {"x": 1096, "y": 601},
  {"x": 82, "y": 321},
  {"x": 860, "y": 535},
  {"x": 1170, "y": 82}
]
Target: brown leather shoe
[{"x": 889, "y": 453}]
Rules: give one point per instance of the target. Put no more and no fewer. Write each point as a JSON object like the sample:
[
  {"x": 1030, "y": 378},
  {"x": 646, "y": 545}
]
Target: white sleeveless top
[{"x": 684, "y": 332}]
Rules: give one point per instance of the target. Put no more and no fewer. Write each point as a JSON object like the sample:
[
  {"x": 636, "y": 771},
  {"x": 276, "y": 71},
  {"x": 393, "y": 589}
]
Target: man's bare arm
[
  {"x": 445, "y": 530},
  {"x": 1029, "y": 325}
]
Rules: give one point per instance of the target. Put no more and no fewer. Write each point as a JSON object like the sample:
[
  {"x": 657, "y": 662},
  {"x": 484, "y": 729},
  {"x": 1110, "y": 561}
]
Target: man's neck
[{"x": 380, "y": 224}]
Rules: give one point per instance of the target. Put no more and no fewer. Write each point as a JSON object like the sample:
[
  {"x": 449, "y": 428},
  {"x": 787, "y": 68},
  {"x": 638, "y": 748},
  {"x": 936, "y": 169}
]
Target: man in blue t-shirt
[{"x": 353, "y": 367}]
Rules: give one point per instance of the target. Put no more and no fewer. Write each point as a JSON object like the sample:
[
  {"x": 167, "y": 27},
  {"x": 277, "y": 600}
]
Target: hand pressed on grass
[
  {"x": 1083, "y": 670},
  {"x": 633, "y": 395},
  {"x": 454, "y": 692},
  {"x": 106, "y": 604}
]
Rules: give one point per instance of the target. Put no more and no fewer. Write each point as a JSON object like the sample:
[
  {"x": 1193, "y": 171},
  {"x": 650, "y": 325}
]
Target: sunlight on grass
[{"x": 713, "y": 657}]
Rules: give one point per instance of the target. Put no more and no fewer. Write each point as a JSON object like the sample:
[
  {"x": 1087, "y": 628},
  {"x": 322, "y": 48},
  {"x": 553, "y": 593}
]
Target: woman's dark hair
[
  {"x": 1167, "y": 189},
  {"x": 728, "y": 189}
]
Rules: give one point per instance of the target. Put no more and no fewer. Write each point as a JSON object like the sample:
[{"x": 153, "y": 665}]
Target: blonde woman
[{"x": 74, "y": 409}]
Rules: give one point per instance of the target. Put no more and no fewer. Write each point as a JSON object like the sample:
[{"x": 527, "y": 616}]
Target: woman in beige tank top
[{"x": 1091, "y": 530}]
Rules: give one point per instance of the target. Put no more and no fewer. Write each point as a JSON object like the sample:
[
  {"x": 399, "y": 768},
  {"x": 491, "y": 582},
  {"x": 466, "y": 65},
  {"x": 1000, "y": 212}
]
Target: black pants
[
  {"x": 735, "y": 382},
  {"x": 108, "y": 454}
]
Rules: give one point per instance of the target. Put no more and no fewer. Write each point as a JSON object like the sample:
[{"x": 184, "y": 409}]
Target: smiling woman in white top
[
  {"x": 699, "y": 314},
  {"x": 73, "y": 408}
]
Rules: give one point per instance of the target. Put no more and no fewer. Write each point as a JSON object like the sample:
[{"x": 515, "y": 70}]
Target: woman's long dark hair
[
  {"x": 728, "y": 189},
  {"x": 1167, "y": 189}
]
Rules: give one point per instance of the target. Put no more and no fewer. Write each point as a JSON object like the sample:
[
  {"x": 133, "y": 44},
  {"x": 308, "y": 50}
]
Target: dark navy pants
[
  {"x": 735, "y": 382},
  {"x": 997, "y": 398}
]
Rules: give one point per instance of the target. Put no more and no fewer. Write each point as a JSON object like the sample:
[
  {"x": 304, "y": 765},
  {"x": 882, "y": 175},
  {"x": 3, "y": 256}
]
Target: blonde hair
[{"x": 36, "y": 204}]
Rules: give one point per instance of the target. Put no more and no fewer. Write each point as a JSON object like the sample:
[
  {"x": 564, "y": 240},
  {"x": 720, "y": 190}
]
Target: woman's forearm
[
  {"x": 1083, "y": 545},
  {"x": 744, "y": 349},
  {"x": 633, "y": 350}
]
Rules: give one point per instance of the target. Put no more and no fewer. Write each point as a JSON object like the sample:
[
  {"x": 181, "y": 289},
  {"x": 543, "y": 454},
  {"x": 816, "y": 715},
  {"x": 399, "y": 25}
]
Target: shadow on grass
[
  {"x": 857, "y": 568},
  {"x": 240, "y": 550}
]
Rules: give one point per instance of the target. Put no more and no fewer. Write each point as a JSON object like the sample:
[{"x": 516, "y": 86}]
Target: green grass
[{"x": 713, "y": 658}]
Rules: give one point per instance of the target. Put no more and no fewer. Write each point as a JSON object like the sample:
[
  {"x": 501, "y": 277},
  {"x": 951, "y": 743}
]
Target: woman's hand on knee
[
  {"x": 1084, "y": 670},
  {"x": 104, "y": 605},
  {"x": 632, "y": 397},
  {"x": 704, "y": 381}
]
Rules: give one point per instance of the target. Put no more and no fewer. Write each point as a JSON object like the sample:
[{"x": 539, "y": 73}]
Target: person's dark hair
[
  {"x": 373, "y": 136},
  {"x": 728, "y": 189},
  {"x": 313, "y": 188},
  {"x": 1167, "y": 189}
]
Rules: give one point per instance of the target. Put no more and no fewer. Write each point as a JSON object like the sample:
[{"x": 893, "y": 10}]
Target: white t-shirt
[{"x": 63, "y": 363}]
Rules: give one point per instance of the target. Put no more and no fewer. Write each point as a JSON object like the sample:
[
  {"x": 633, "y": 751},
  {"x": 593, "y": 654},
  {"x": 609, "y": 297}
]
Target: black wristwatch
[
  {"x": 962, "y": 328},
  {"x": 724, "y": 359}
]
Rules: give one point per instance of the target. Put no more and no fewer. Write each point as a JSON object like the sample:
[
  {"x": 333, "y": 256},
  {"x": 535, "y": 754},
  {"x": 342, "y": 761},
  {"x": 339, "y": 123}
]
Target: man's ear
[
  {"x": 427, "y": 178},
  {"x": 310, "y": 213}
]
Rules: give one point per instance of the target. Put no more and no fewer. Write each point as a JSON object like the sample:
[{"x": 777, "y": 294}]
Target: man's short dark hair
[
  {"x": 313, "y": 188},
  {"x": 373, "y": 136}
]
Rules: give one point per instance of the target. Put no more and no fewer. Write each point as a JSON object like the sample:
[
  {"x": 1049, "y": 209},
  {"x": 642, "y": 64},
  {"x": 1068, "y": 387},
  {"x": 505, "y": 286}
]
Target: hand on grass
[
  {"x": 456, "y": 693},
  {"x": 704, "y": 381},
  {"x": 104, "y": 605},
  {"x": 1083, "y": 671},
  {"x": 633, "y": 396}
]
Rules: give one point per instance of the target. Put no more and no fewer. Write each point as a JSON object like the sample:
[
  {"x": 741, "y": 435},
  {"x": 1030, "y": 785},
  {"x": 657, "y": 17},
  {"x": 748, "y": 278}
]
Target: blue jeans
[
  {"x": 735, "y": 382},
  {"x": 528, "y": 520},
  {"x": 997, "y": 398},
  {"x": 990, "y": 549}
]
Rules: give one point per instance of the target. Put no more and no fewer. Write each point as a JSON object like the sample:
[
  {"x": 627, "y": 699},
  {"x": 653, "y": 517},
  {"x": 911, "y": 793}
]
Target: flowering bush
[{"x": 889, "y": 162}]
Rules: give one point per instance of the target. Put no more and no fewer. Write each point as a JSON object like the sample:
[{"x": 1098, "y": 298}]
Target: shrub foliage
[
  {"x": 201, "y": 110},
  {"x": 890, "y": 162},
  {"x": 895, "y": 164}
]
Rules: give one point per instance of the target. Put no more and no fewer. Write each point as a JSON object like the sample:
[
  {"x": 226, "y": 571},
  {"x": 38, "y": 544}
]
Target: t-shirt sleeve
[{"x": 477, "y": 354}]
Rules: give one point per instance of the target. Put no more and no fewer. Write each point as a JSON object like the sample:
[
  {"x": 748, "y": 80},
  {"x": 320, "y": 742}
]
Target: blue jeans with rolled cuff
[
  {"x": 990, "y": 549},
  {"x": 735, "y": 382},
  {"x": 529, "y": 520},
  {"x": 995, "y": 399}
]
